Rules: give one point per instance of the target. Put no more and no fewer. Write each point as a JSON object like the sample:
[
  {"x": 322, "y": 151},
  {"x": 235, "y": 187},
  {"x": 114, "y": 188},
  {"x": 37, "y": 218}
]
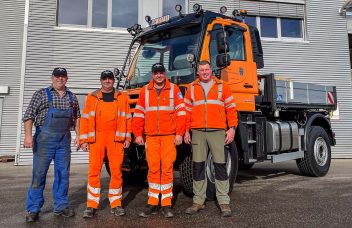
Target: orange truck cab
[{"x": 279, "y": 120}]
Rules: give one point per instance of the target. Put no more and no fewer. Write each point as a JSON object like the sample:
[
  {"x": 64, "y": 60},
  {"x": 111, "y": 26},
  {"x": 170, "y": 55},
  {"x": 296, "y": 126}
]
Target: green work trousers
[{"x": 202, "y": 143}]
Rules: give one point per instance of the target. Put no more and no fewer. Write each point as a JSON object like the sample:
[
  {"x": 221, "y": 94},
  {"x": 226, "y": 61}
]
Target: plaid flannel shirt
[{"x": 39, "y": 105}]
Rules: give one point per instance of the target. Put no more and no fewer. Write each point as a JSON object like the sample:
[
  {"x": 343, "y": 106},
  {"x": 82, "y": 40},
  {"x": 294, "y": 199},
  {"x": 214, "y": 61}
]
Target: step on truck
[{"x": 279, "y": 119}]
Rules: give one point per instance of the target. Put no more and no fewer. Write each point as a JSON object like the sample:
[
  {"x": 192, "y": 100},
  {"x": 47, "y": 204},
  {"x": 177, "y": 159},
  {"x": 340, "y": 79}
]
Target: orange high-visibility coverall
[
  {"x": 161, "y": 117},
  {"x": 105, "y": 126},
  {"x": 213, "y": 110}
]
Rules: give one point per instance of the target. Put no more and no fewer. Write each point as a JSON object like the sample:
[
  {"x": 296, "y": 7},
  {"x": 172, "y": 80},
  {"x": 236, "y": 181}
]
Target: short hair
[{"x": 204, "y": 62}]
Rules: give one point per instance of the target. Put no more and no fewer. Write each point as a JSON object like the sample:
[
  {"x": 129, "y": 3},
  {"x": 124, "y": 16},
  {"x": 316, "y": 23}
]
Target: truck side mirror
[
  {"x": 116, "y": 72},
  {"x": 222, "y": 42},
  {"x": 222, "y": 60}
]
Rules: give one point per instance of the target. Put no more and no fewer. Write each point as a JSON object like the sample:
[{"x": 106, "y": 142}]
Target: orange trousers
[
  {"x": 105, "y": 146},
  {"x": 161, "y": 155}
]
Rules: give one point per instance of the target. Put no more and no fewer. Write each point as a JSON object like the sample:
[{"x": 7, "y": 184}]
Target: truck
[{"x": 278, "y": 119}]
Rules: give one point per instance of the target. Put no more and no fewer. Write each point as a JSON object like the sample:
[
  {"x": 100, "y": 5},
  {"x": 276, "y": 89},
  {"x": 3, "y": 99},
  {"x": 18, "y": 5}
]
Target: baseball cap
[
  {"x": 59, "y": 71},
  {"x": 107, "y": 74},
  {"x": 158, "y": 67}
]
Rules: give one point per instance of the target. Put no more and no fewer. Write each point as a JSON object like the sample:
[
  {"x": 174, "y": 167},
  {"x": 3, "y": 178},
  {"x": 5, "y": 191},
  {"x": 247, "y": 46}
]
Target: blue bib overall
[{"x": 52, "y": 142}]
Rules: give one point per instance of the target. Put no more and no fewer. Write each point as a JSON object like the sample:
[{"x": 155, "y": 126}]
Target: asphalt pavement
[{"x": 268, "y": 195}]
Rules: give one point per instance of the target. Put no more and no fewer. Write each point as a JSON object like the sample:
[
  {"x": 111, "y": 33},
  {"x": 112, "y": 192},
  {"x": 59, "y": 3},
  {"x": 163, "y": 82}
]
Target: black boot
[
  {"x": 67, "y": 212},
  {"x": 32, "y": 216},
  {"x": 167, "y": 212},
  {"x": 150, "y": 210},
  {"x": 89, "y": 212}
]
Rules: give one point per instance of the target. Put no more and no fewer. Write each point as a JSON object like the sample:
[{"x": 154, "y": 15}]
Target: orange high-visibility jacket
[
  {"x": 159, "y": 115},
  {"x": 123, "y": 117},
  {"x": 216, "y": 111}
]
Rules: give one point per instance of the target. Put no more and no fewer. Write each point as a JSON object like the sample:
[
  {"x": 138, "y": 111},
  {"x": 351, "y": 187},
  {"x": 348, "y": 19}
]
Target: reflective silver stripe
[
  {"x": 113, "y": 198},
  {"x": 140, "y": 115},
  {"x": 93, "y": 190},
  {"x": 187, "y": 101},
  {"x": 171, "y": 107},
  {"x": 140, "y": 108},
  {"x": 91, "y": 197},
  {"x": 124, "y": 114},
  {"x": 172, "y": 101},
  {"x": 86, "y": 116},
  {"x": 182, "y": 105},
  {"x": 83, "y": 136},
  {"x": 196, "y": 103},
  {"x": 230, "y": 98},
  {"x": 91, "y": 134},
  {"x": 164, "y": 196},
  {"x": 154, "y": 195},
  {"x": 115, "y": 191},
  {"x": 181, "y": 113},
  {"x": 122, "y": 134},
  {"x": 231, "y": 105},
  {"x": 189, "y": 109},
  {"x": 215, "y": 102},
  {"x": 192, "y": 92},
  {"x": 161, "y": 108},
  {"x": 219, "y": 91},
  {"x": 154, "y": 186},
  {"x": 166, "y": 186},
  {"x": 146, "y": 99},
  {"x": 92, "y": 113}
]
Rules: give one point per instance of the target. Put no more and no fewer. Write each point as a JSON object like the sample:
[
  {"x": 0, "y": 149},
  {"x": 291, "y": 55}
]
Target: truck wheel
[
  {"x": 186, "y": 173},
  {"x": 231, "y": 167},
  {"x": 317, "y": 158}
]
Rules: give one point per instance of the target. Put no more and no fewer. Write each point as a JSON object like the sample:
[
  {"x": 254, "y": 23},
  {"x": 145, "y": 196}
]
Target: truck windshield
[{"x": 169, "y": 47}]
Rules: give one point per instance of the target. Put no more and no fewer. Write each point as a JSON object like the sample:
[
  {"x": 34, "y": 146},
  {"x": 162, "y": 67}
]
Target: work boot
[
  {"x": 225, "y": 210},
  {"x": 194, "y": 208},
  {"x": 118, "y": 211},
  {"x": 167, "y": 212},
  {"x": 150, "y": 210},
  {"x": 89, "y": 212},
  {"x": 32, "y": 216},
  {"x": 67, "y": 212}
]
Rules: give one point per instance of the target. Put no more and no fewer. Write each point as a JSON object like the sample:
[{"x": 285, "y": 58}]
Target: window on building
[
  {"x": 72, "y": 12},
  {"x": 124, "y": 14},
  {"x": 112, "y": 13},
  {"x": 251, "y": 20},
  {"x": 291, "y": 27},
  {"x": 268, "y": 27},
  {"x": 100, "y": 13}
]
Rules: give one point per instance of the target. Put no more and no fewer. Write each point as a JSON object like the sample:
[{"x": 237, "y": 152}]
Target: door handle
[{"x": 247, "y": 86}]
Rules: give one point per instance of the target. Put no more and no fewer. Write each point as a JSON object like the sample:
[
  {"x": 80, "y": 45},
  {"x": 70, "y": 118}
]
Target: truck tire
[
  {"x": 186, "y": 174},
  {"x": 231, "y": 166},
  {"x": 317, "y": 158}
]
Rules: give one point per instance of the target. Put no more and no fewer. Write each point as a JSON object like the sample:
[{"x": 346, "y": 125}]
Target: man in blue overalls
[{"x": 53, "y": 110}]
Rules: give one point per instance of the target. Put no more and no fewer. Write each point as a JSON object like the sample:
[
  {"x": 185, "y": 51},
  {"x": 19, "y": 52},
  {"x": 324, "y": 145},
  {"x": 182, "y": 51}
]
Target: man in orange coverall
[
  {"x": 105, "y": 130},
  {"x": 160, "y": 112}
]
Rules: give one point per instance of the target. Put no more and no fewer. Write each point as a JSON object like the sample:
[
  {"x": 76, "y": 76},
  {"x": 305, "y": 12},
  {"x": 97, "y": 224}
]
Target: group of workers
[{"x": 206, "y": 118}]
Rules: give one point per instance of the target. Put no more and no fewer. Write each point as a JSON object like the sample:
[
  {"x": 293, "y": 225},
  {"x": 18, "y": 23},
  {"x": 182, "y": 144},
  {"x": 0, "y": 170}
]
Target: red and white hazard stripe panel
[{"x": 331, "y": 99}]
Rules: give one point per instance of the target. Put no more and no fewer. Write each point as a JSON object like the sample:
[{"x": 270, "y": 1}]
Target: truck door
[{"x": 241, "y": 74}]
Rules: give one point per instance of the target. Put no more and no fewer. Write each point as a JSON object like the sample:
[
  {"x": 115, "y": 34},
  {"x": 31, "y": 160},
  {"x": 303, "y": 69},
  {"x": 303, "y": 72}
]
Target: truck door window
[
  {"x": 236, "y": 43},
  {"x": 213, "y": 51}
]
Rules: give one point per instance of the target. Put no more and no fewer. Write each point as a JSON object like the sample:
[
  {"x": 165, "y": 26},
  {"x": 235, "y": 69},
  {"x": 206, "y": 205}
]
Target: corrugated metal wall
[
  {"x": 85, "y": 53},
  {"x": 323, "y": 58},
  {"x": 11, "y": 33}
]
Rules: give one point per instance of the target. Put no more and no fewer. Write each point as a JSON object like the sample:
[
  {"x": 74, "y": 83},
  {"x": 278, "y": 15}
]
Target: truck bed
[{"x": 287, "y": 94}]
